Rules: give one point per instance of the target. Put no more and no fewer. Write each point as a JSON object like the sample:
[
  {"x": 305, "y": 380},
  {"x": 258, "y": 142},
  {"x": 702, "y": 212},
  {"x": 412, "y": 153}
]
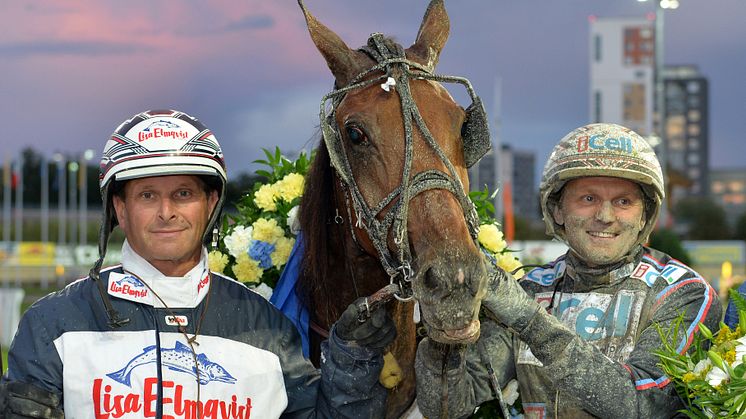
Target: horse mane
[{"x": 315, "y": 207}]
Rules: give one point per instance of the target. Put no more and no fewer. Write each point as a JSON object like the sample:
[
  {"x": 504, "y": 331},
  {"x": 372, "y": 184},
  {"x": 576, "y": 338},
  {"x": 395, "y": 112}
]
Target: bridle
[{"x": 398, "y": 71}]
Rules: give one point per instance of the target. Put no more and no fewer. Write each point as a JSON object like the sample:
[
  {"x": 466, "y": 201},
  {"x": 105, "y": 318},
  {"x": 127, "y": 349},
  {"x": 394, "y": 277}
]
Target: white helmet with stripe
[{"x": 159, "y": 143}]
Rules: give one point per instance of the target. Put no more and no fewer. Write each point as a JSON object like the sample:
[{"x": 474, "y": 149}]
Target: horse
[{"x": 386, "y": 198}]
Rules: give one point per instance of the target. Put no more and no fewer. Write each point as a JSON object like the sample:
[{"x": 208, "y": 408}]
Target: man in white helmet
[
  {"x": 579, "y": 333},
  {"x": 162, "y": 336}
]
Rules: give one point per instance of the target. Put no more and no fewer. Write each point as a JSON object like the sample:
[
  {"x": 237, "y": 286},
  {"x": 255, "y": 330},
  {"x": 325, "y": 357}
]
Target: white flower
[
  {"x": 702, "y": 366},
  {"x": 292, "y": 220},
  {"x": 238, "y": 241},
  {"x": 716, "y": 376},
  {"x": 510, "y": 392},
  {"x": 740, "y": 351},
  {"x": 264, "y": 290}
]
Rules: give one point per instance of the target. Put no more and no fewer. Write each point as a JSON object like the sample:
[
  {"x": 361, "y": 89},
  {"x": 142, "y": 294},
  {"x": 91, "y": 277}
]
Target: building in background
[
  {"x": 686, "y": 124},
  {"x": 622, "y": 91},
  {"x": 622, "y": 70},
  {"x": 728, "y": 189},
  {"x": 522, "y": 166}
]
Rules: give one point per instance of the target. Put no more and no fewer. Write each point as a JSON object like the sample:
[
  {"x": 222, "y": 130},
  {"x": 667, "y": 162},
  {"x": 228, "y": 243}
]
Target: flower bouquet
[
  {"x": 710, "y": 377},
  {"x": 490, "y": 237},
  {"x": 257, "y": 240}
]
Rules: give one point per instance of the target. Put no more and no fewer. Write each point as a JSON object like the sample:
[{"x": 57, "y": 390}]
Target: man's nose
[
  {"x": 166, "y": 210},
  {"x": 605, "y": 212}
]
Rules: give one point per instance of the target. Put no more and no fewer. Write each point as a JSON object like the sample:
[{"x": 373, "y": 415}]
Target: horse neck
[{"x": 353, "y": 273}]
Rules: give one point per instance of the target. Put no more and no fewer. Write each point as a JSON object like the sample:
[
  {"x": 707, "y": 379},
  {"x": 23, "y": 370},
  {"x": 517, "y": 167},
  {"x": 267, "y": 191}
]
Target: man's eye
[
  {"x": 184, "y": 194},
  {"x": 588, "y": 198},
  {"x": 147, "y": 195}
]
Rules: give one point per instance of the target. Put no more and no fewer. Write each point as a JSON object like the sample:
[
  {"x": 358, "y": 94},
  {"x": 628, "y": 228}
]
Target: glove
[
  {"x": 507, "y": 302},
  {"x": 375, "y": 331},
  {"x": 22, "y": 400}
]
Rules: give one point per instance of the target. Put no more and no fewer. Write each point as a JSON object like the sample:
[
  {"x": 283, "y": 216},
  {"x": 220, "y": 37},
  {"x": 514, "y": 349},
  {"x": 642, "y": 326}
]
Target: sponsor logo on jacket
[
  {"x": 606, "y": 320},
  {"x": 648, "y": 273},
  {"x": 109, "y": 402},
  {"x": 128, "y": 286}
]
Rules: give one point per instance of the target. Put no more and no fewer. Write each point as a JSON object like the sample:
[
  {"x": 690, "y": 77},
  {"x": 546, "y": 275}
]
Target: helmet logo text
[{"x": 597, "y": 143}]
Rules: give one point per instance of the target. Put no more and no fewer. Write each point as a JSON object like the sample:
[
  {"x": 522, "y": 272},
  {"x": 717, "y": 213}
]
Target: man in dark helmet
[
  {"x": 162, "y": 336},
  {"x": 579, "y": 333}
]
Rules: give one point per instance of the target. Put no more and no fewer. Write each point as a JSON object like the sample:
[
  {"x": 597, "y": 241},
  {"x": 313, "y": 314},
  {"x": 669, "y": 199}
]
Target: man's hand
[
  {"x": 507, "y": 302},
  {"x": 375, "y": 331},
  {"x": 22, "y": 400}
]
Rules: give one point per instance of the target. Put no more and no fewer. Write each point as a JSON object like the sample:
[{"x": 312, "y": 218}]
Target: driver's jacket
[
  {"x": 591, "y": 354},
  {"x": 245, "y": 362}
]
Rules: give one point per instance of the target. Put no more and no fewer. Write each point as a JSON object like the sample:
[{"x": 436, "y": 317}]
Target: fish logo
[
  {"x": 162, "y": 124},
  {"x": 179, "y": 359},
  {"x": 130, "y": 280}
]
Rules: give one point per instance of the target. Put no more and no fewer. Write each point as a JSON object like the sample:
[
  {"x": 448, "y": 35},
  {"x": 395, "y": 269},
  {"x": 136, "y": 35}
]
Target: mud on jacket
[{"x": 591, "y": 353}]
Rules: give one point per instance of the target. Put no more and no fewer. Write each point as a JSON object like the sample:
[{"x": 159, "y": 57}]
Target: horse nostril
[{"x": 431, "y": 280}]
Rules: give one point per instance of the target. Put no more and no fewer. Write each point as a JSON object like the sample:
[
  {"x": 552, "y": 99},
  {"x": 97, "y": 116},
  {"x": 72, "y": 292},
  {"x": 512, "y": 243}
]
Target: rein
[{"x": 398, "y": 68}]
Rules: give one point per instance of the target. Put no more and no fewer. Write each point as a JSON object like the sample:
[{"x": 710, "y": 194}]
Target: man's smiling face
[{"x": 602, "y": 217}]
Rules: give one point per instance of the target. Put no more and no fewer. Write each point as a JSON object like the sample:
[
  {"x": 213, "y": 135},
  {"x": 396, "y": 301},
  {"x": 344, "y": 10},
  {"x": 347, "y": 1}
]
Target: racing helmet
[
  {"x": 159, "y": 143},
  {"x": 602, "y": 150}
]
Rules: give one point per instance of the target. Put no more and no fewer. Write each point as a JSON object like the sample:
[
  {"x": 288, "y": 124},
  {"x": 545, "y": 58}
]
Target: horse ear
[
  {"x": 432, "y": 35},
  {"x": 342, "y": 61}
]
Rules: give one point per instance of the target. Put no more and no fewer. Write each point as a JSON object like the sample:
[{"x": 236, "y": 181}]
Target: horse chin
[{"x": 465, "y": 335}]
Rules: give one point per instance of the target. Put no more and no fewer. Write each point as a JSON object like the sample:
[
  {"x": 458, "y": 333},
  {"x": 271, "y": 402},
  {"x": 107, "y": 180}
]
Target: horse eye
[{"x": 356, "y": 135}]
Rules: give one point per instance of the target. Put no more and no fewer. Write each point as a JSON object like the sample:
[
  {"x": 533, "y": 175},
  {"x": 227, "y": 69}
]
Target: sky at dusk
[{"x": 71, "y": 71}]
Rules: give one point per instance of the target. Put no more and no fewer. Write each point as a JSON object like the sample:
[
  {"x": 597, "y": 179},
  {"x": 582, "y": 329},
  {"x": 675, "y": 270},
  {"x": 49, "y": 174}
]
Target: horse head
[{"x": 401, "y": 146}]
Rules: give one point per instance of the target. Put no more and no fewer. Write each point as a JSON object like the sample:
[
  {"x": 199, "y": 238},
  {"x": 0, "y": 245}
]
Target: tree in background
[
  {"x": 702, "y": 219},
  {"x": 668, "y": 241}
]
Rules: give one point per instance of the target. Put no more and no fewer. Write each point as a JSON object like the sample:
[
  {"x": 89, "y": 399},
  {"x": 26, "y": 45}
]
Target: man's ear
[
  {"x": 212, "y": 200},
  {"x": 120, "y": 209},
  {"x": 558, "y": 215}
]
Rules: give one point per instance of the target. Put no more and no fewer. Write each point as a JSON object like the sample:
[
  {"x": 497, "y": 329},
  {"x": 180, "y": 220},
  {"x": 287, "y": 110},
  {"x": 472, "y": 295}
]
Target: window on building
[
  {"x": 692, "y": 87},
  {"x": 694, "y": 144},
  {"x": 597, "y": 47},
  {"x": 693, "y": 101},
  {"x": 634, "y": 102},
  {"x": 694, "y": 173},
  {"x": 694, "y": 115},
  {"x": 693, "y": 159},
  {"x": 693, "y": 129}
]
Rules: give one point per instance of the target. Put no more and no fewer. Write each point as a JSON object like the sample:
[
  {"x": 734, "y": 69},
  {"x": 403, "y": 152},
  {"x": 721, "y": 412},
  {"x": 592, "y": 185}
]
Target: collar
[
  {"x": 140, "y": 280},
  {"x": 606, "y": 274}
]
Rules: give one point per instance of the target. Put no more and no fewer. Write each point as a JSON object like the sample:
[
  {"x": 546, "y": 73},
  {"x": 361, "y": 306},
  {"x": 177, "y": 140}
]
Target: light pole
[
  {"x": 59, "y": 270},
  {"x": 83, "y": 185},
  {"x": 73, "y": 167}
]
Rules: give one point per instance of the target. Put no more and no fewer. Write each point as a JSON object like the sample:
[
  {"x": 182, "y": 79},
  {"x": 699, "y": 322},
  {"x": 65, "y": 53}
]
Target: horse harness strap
[{"x": 397, "y": 71}]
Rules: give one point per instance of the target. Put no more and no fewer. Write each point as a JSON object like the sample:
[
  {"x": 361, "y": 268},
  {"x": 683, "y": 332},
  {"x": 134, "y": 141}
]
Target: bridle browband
[{"x": 394, "y": 64}]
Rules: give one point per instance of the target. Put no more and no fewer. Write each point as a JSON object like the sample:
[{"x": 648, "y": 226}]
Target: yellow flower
[
  {"x": 290, "y": 187},
  {"x": 282, "y": 251},
  {"x": 216, "y": 261},
  {"x": 247, "y": 269},
  {"x": 689, "y": 377},
  {"x": 491, "y": 238},
  {"x": 509, "y": 263},
  {"x": 267, "y": 230},
  {"x": 265, "y": 197}
]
